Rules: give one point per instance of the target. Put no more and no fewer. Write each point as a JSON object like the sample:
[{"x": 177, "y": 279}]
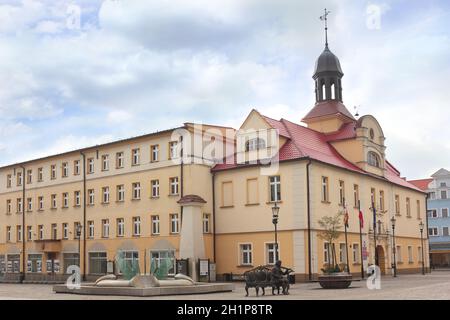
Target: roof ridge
[{"x": 282, "y": 120}]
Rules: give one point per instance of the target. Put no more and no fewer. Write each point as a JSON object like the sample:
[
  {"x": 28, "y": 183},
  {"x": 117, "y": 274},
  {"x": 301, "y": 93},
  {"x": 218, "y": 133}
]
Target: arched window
[
  {"x": 333, "y": 91},
  {"x": 255, "y": 144},
  {"x": 324, "y": 93},
  {"x": 373, "y": 159}
]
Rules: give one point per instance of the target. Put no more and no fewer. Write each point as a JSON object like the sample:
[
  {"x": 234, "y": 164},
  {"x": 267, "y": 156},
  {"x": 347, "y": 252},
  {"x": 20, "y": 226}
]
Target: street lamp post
[
  {"x": 421, "y": 226},
  {"x": 394, "y": 265},
  {"x": 275, "y": 210}
]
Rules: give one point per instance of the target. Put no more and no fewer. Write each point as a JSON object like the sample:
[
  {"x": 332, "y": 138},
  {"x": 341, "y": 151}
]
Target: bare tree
[{"x": 331, "y": 226}]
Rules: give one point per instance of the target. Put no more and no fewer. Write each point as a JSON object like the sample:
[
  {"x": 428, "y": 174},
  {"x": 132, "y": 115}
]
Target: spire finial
[{"x": 324, "y": 18}]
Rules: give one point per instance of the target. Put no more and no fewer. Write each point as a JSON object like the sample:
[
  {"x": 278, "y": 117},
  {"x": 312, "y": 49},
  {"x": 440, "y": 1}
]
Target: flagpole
[
  {"x": 345, "y": 230},
  {"x": 360, "y": 240},
  {"x": 375, "y": 232}
]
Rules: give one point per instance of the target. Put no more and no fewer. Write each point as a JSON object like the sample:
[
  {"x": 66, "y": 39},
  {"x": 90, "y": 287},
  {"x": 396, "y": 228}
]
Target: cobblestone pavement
[{"x": 431, "y": 286}]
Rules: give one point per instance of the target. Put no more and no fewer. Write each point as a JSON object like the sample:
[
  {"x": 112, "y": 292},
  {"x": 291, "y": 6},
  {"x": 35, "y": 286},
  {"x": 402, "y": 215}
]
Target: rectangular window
[
  {"x": 40, "y": 203},
  {"x": 29, "y": 176},
  {"x": 91, "y": 197},
  {"x": 443, "y": 194},
  {"x": 342, "y": 253},
  {"x": 356, "y": 195},
  {"x": 53, "y": 199},
  {"x": 206, "y": 223},
  {"x": 341, "y": 192},
  {"x": 54, "y": 231},
  {"x": 90, "y": 165},
  {"x": 326, "y": 252},
  {"x": 120, "y": 193},
  {"x": 432, "y": 213},
  {"x": 155, "y": 188},
  {"x": 34, "y": 263},
  {"x": 76, "y": 167},
  {"x": 8, "y": 206},
  {"x": 418, "y": 208},
  {"x": 433, "y": 232},
  {"x": 410, "y": 254},
  {"x": 155, "y": 224},
  {"x": 275, "y": 188},
  {"x": 136, "y": 226},
  {"x": 8, "y": 181},
  {"x": 19, "y": 205},
  {"x": 19, "y": 233},
  {"x": 97, "y": 262},
  {"x": 444, "y": 212},
  {"x": 8, "y": 234},
  {"x": 77, "y": 198},
  {"x": 419, "y": 254},
  {"x": 53, "y": 171},
  {"x": 29, "y": 204},
  {"x": 399, "y": 254},
  {"x": 163, "y": 258},
  {"x": 135, "y": 156},
  {"x": 105, "y": 228},
  {"x": 252, "y": 191},
  {"x": 246, "y": 254},
  {"x": 65, "y": 170},
  {"x": 65, "y": 231},
  {"x": 372, "y": 197},
  {"x": 136, "y": 191},
  {"x": 173, "y": 150},
  {"x": 356, "y": 253},
  {"x": 29, "y": 233},
  {"x": 41, "y": 232},
  {"x": 397, "y": 204},
  {"x": 19, "y": 178},
  {"x": 120, "y": 227},
  {"x": 91, "y": 229},
  {"x": 173, "y": 185},
  {"x": 65, "y": 202},
  {"x": 119, "y": 160},
  {"x": 77, "y": 229},
  {"x": 105, "y": 195},
  {"x": 381, "y": 200},
  {"x": 130, "y": 258},
  {"x": 71, "y": 259},
  {"x": 408, "y": 208},
  {"x": 445, "y": 231},
  {"x": 270, "y": 253},
  {"x": 105, "y": 162},
  {"x": 40, "y": 174},
  {"x": 174, "y": 223},
  {"x": 154, "y": 153},
  {"x": 325, "y": 197}
]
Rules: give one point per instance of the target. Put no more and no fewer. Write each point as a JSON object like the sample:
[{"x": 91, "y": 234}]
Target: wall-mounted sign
[{"x": 204, "y": 267}]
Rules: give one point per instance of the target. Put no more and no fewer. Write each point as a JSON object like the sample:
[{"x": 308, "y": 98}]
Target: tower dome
[{"x": 327, "y": 62}]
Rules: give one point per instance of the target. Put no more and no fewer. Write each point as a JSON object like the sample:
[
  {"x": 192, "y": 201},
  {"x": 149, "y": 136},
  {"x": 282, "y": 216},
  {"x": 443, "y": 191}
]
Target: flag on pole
[
  {"x": 346, "y": 216},
  {"x": 361, "y": 219},
  {"x": 374, "y": 216}
]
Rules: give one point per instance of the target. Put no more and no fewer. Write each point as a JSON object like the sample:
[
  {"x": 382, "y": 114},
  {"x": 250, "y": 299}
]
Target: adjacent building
[
  {"x": 208, "y": 192},
  {"x": 438, "y": 190}
]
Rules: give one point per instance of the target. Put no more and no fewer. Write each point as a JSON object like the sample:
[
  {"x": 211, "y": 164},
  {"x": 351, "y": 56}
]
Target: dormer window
[
  {"x": 373, "y": 159},
  {"x": 255, "y": 144}
]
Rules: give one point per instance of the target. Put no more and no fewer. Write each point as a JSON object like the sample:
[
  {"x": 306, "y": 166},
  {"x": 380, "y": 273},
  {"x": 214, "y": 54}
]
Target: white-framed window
[
  {"x": 173, "y": 185},
  {"x": 76, "y": 226},
  {"x": 65, "y": 230},
  {"x": 120, "y": 193},
  {"x": 155, "y": 224},
  {"x": 54, "y": 203},
  {"x": 65, "y": 170},
  {"x": 397, "y": 204},
  {"x": 324, "y": 189},
  {"x": 105, "y": 228},
  {"x": 154, "y": 153},
  {"x": 418, "y": 208},
  {"x": 91, "y": 229},
  {"x": 119, "y": 160},
  {"x": 444, "y": 212},
  {"x": 356, "y": 253},
  {"x": 130, "y": 258},
  {"x": 443, "y": 194},
  {"x": 29, "y": 176},
  {"x": 270, "y": 253},
  {"x": 105, "y": 194},
  {"x": 90, "y": 165},
  {"x": 65, "y": 197},
  {"x": 381, "y": 200},
  {"x": 105, "y": 162},
  {"x": 255, "y": 144},
  {"x": 53, "y": 171},
  {"x": 341, "y": 192},
  {"x": 326, "y": 252},
  {"x": 29, "y": 204},
  {"x": 76, "y": 167},
  {"x": 135, "y": 156},
  {"x": 173, "y": 149},
  {"x": 356, "y": 195},
  {"x": 19, "y": 233},
  {"x": 41, "y": 232},
  {"x": 432, "y": 213},
  {"x": 155, "y": 188},
  {"x": 8, "y": 234},
  {"x": 275, "y": 188},
  {"x": 163, "y": 256},
  {"x": 91, "y": 197},
  {"x": 206, "y": 223},
  {"x": 120, "y": 227},
  {"x": 54, "y": 231},
  {"x": 445, "y": 231},
  {"x": 8, "y": 206},
  {"x": 136, "y": 226},
  {"x": 19, "y": 205},
  {"x": 373, "y": 159},
  {"x": 246, "y": 254},
  {"x": 9, "y": 181},
  {"x": 98, "y": 262},
  {"x": 342, "y": 253},
  {"x": 77, "y": 198},
  {"x": 40, "y": 174},
  {"x": 19, "y": 178},
  {"x": 399, "y": 254},
  {"x": 408, "y": 207},
  {"x": 40, "y": 203},
  {"x": 433, "y": 231},
  {"x": 136, "y": 190},
  {"x": 174, "y": 223},
  {"x": 29, "y": 233}
]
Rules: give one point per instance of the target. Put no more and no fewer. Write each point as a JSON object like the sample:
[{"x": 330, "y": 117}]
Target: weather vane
[{"x": 324, "y": 18}]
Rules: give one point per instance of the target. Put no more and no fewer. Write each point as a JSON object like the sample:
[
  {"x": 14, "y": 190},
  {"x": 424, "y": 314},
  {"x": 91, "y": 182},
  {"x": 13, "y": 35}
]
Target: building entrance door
[{"x": 381, "y": 259}]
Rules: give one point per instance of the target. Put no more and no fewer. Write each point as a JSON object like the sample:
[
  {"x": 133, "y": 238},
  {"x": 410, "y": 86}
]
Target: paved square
[{"x": 431, "y": 286}]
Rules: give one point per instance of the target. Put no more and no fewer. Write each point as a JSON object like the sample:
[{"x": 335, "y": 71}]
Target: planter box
[{"x": 335, "y": 280}]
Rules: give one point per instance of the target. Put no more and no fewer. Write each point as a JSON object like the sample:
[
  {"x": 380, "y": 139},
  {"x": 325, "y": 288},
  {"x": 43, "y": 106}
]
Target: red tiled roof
[
  {"x": 327, "y": 108},
  {"x": 421, "y": 183},
  {"x": 277, "y": 125},
  {"x": 304, "y": 142}
]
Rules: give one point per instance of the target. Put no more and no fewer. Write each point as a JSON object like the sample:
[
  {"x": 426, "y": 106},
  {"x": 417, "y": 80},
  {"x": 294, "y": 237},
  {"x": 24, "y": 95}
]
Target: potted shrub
[{"x": 334, "y": 276}]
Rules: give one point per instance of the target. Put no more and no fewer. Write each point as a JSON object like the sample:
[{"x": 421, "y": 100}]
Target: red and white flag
[{"x": 361, "y": 219}]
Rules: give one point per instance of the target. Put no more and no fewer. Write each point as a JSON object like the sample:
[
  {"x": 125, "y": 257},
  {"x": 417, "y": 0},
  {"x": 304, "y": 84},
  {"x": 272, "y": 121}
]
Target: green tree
[{"x": 331, "y": 226}]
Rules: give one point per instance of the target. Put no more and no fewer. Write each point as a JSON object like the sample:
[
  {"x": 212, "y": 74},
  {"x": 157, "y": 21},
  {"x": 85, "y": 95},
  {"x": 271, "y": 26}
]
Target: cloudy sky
[{"x": 78, "y": 73}]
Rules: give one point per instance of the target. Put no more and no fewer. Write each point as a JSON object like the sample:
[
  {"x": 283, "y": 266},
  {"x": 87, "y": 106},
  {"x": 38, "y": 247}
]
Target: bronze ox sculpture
[{"x": 264, "y": 276}]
